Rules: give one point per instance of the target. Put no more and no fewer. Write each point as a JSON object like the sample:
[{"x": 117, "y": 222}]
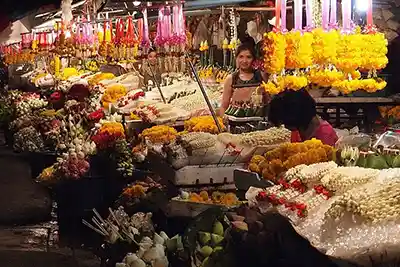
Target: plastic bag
[
  {"x": 388, "y": 139},
  {"x": 355, "y": 140}
]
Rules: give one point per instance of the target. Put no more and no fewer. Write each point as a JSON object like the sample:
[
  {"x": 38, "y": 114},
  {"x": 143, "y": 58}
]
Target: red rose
[
  {"x": 262, "y": 196},
  {"x": 96, "y": 115},
  {"x": 301, "y": 213},
  {"x": 301, "y": 206}
]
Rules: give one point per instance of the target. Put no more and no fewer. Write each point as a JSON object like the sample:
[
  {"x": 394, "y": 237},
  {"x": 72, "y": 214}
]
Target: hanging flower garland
[
  {"x": 324, "y": 46},
  {"x": 274, "y": 56},
  {"x": 298, "y": 50}
]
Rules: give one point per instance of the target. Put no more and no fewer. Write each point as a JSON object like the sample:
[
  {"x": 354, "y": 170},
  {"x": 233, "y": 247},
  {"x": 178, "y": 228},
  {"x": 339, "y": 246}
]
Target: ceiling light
[{"x": 136, "y": 3}]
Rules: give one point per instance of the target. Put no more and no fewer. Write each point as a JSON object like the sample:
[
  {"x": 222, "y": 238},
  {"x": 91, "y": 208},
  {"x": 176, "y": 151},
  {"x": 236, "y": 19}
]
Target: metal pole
[
  {"x": 156, "y": 82},
  {"x": 203, "y": 91}
]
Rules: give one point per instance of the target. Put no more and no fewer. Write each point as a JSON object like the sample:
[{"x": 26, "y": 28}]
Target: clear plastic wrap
[
  {"x": 355, "y": 140},
  {"x": 388, "y": 139}
]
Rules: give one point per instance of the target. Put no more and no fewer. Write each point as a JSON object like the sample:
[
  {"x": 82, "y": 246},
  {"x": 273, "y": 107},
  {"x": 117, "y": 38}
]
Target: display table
[{"x": 351, "y": 108}]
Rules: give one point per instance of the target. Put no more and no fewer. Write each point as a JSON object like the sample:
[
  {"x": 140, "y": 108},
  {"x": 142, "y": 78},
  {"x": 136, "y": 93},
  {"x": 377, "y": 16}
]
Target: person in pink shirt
[{"x": 296, "y": 111}]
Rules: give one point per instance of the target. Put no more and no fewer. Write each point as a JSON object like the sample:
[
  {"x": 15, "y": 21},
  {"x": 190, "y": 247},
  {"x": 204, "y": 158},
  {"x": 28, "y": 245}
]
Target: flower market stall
[{"x": 150, "y": 175}]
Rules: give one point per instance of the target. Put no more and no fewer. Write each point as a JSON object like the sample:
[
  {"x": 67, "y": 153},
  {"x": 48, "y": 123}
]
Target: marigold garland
[
  {"x": 328, "y": 58},
  {"x": 274, "y": 87},
  {"x": 324, "y": 46},
  {"x": 274, "y": 56},
  {"x": 374, "y": 50},
  {"x": 286, "y": 156},
  {"x": 349, "y": 55},
  {"x": 160, "y": 134},
  {"x": 298, "y": 50},
  {"x": 295, "y": 83},
  {"x": 203, "y": 124},
  {"x": 112, "y": 94},
  {"x": 289, "y": 82}
]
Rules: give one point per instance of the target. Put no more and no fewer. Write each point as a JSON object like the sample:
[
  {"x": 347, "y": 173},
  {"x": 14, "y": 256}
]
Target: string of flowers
[{"x": 326, "y": 57}]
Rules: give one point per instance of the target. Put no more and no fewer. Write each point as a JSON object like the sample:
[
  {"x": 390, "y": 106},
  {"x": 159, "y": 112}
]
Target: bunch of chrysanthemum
[
  {"x": 274, "y": 56},
  {"x": 374, "y": 51},
  {"x": 324, "y": 46},
  {"x": 349, "y": 52},
  {"x": 298, "y": 50}
]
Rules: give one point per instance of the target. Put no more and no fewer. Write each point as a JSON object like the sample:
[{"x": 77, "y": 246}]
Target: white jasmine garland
[
  {"x": 339, "y": 180},
  {"x": 312, "y": 174}
]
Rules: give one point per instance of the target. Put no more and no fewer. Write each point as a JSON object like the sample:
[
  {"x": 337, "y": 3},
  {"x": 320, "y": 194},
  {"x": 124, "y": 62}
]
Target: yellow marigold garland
[
  {"x": 203, "y": 124},
  {"x": 295, "y": 83},
  {"x": 337, "y": 58},
  {"x": 112, "y": 94},
  {"x": 112, "y": 128},
  {"x": 349, "y": 55},
  {"x": 298, "y": 50},
  {"x": 324, "y": 46},
  {"x": 274, "y": 56},
  {"x": 160, "y": 134},
  {"x": 274, "y": 87},
  {"x": 374, "y": 51}
]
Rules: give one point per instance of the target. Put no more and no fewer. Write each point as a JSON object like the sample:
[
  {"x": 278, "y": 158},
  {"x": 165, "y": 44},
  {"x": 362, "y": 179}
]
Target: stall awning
[{"x": 12, "y": 34}]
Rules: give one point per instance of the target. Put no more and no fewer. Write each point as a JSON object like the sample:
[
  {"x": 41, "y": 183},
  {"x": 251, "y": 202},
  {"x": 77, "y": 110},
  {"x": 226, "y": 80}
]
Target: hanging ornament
[
  {"x": 325, "y": 14},
  {"x": 309, "y": 15},
  {"x": 283, "y": 15},
  {"x": 146, "y": 39},
  {"x": 159, "y": 40},
  {"x": 333, "y": 15},
  {"x": 346, "y": 16},
  {"x": 298, "y": 15}
]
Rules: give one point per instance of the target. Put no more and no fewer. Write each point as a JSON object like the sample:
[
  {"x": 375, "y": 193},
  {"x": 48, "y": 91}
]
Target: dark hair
[
  {"x": 294, "y": 109},
  {"x": 246, "y": 47},
  {"x": 151, "y": 50}
]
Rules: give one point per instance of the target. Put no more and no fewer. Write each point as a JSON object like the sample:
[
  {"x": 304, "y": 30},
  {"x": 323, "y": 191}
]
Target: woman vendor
[
  {"x": 296, "y": 110},
  {"x": 240, "y": 85},
  {"x": 152, "y": 63}
]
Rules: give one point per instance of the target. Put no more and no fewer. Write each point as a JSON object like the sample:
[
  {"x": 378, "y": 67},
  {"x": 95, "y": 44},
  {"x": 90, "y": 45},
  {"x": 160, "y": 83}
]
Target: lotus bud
[
  {"x": 161, "y": 262},
  {"x": 138, "y": 263},
  {"x": 158, "y": 239},
  {"x": 160, "y": 250},
  {"x": 140, "y": 252},
  {"x": 146, "y": 243},
  {"x": 150, "y": 255},
  {"x": 130, "y": 258},
  {"x": 164, "y": 235}
]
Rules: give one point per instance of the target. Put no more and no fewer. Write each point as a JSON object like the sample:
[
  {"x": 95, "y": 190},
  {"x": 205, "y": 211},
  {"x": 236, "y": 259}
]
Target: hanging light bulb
[{"x": 361, "y": 5}]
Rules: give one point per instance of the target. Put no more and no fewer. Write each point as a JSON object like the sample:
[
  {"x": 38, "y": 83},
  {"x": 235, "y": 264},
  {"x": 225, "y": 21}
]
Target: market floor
[{"x": 28, "y": 236}]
